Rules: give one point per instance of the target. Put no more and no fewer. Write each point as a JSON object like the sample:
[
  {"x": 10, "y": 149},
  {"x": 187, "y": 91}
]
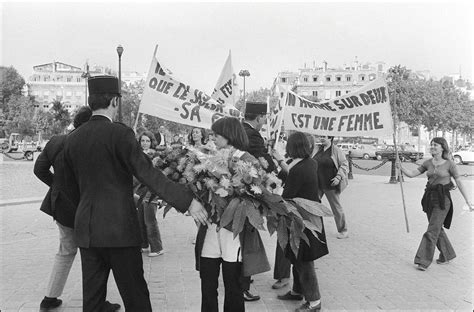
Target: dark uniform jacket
[
  {"x": 257, "y": 146},
  {"x": 57, "y": 202},
  {"x": 103, "y": 157}
]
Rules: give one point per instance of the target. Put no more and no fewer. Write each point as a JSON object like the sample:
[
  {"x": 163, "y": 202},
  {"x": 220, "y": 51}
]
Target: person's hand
[
  {"x": 336, "y": 180},
  {"x": 198, "y": 212}
]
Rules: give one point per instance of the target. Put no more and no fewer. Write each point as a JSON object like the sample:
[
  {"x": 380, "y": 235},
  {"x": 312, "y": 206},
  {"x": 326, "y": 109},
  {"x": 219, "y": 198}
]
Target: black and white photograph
[{"x": 236, "y": 156}]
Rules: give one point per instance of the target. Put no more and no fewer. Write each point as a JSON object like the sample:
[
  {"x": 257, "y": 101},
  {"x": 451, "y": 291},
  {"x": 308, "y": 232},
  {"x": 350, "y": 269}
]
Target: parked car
[
  {"x": 405, "y": 152},
  {"x": 464, "y": 156},
  {"x": 346, "y": 147},
  {"x": 365, "y": 151}
]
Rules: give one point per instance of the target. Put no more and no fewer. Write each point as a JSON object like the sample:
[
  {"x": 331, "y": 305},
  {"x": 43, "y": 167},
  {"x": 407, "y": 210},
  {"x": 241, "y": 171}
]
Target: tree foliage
[
  {"x": 11, "y": 83},
  {"x": 437, "y": 105}
]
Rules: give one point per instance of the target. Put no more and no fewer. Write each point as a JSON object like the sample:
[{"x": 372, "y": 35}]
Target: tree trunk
[{"x": 419, "y": 137}]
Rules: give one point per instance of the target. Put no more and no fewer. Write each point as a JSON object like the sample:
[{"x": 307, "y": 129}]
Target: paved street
[{"x": 372, "y": 270}]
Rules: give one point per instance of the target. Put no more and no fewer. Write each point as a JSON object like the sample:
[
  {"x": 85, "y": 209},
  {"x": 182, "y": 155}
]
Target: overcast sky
[{"x": 265, "y": 38}]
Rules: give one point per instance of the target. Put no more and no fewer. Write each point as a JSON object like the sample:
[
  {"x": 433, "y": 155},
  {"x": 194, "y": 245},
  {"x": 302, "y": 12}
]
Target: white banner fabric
[
  {"x": 169, "y": 99},
  {"x": 227, "y": 88},
  {"x": 365, "y": 112}
]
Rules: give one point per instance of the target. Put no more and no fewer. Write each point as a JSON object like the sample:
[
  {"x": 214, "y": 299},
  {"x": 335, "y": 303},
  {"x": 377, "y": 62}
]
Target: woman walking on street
[
  {"x": 148, "y": 205},
  {"x": 302, "y": 181},
  {"x": 437, "y": 203},
  {"x": 332, "y": 178}
]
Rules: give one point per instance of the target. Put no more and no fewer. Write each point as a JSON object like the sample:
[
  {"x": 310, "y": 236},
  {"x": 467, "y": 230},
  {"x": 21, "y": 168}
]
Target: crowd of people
[{"x": 105, "y": 193}]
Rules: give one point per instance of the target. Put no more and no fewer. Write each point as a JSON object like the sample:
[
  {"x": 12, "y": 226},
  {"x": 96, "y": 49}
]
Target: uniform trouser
[
  {"x": 305, "y": 281},
  {"x": 282, "y": 264},
  {"x": 209, "y": 269},
  {"x": 126, "y": 264},
  {"x": 435, "y": 236},
  {"x": 62, "y": 262},
  {"x": 335, "y": 204},
  {"x": 149, "y": 229}
]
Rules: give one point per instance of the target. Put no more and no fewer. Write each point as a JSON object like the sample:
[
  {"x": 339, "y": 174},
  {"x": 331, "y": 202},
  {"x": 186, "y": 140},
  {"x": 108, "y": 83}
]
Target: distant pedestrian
[
  {"x": 332, "y": 175},
  {"x": 59, "y": 205},
  {"x": 437, "y": 203},
  {"x": 148, "y": 203}
]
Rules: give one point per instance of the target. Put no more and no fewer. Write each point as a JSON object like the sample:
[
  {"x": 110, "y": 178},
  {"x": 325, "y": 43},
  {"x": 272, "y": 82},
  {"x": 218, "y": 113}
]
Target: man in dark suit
[
  {"x": 58, "y": 204},
  {"x": 103, "y": 157},
  {"x": 255, "y": 118}
]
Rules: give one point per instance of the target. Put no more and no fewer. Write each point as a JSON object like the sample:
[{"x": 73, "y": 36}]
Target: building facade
[
  {"x": 59, "y": 81},
  {"x": 324, "y": 83}
]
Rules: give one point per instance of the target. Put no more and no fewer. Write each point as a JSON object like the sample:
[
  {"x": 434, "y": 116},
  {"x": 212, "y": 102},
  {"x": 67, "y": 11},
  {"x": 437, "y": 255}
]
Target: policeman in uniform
[{"x": 102, "y": 158}]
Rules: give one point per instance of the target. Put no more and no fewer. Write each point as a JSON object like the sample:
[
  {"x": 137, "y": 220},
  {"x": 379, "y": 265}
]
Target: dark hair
[
  {"x": 83, "y": 115},
  {"x": 444, "y": 144},
  {"x": 149, "y": 135},
  {"x": 231, "y": 129},
  {"x": 98, "y": 101},
  {"x": 298, "y": 146},
  {"x": 203, "y": 136}
]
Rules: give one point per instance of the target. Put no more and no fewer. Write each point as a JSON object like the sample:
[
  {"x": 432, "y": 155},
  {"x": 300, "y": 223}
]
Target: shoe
[
  {"x": 50, "y": 303},
  {"x": 439, "y": 261},
  {"x": 156, "y": 254},
  {"x": 421, "y": 268},
  {"x": 342, "y": 235},
  {"x": 305, "y": 307},
  {"x": 281, "y": 283},
  {"x": 290, "y": 296},
  {"x": 249, "y": 297},
  {"x": 111, "y": 307}
]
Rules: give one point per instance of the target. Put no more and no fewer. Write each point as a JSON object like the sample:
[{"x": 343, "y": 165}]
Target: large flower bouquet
[{"x": 237, "y": 189}]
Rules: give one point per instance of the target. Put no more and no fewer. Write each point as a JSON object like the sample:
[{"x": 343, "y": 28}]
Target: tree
[
  {"x": 20, "y": 115},
  {"x": 11, "y": 83},
  {"x": 43, "y": 121},
  {"x": 61, "y": 117}
]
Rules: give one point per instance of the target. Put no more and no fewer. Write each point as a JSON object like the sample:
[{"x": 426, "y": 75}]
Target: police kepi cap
[
  {"x": 257, "y": 108},
  {"x": 103, "y": 84}
]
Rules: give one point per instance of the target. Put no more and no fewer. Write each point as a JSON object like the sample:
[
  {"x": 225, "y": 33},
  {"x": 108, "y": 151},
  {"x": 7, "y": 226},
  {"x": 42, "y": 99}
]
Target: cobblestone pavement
[{"x": 371, "y": 270}]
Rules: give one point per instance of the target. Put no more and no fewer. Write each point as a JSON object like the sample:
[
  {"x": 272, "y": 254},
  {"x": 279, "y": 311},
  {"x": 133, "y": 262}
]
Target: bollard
[
  {"x": 349, "y": 158},
  {"x": 393, "y": 175}
]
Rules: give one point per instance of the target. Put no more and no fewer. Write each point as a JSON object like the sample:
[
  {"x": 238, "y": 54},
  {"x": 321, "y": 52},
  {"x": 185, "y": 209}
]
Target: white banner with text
[
  {"x": 365, "y": 112},
  {"x": 169, "y": 99}
]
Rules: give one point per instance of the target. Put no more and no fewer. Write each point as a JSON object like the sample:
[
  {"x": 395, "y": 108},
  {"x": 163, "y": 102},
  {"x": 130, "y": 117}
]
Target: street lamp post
[
  {"x": 244, "y": 73},
  {"x": 85, "y": 75},
  {"x": 119, "y": 52}
]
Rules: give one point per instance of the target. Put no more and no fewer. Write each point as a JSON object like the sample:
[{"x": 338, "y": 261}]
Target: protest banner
[
  {"x": 275, "y": 118},
  {"x": 227, "y": 88},
  {"x": 365, "y": 112},
  {"x": 173, "y": 100}
]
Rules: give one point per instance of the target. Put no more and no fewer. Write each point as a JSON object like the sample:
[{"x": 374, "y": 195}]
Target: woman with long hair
[
  {"x": 147, "y": 204},
  {"x": 437, "y": 203},
  {"x": 197, "y": 137},
  {"x": 214, "y": 248}
]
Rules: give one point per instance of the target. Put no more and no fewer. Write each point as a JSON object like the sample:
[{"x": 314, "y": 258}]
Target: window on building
[
  {"x": 36, "y": 105},
  {"x": 69, "y": 79},
  {"x": 78, "y": 79},
  {"x": 338, "y": 93},
  {"x": 362, "y": 78},
  {"x": 327, "y": 95},
  {"x": 45, "y": 105},
  {"x": 371, "y": 77},
  {"x": 347, "y": 91},
  {"x": 338, "y": 78},
  {"x": 348, "y": 78},
  {"x": 305, "y": 79},
  {"x": 281, "y": 94},
  {"x": 315, "y": 78},
  {"x": 328, "y": 78},
  {"x": 315, "y": 93},
  {"x": 46, "y": 78},
  {"x": 283, "y": 79}
]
